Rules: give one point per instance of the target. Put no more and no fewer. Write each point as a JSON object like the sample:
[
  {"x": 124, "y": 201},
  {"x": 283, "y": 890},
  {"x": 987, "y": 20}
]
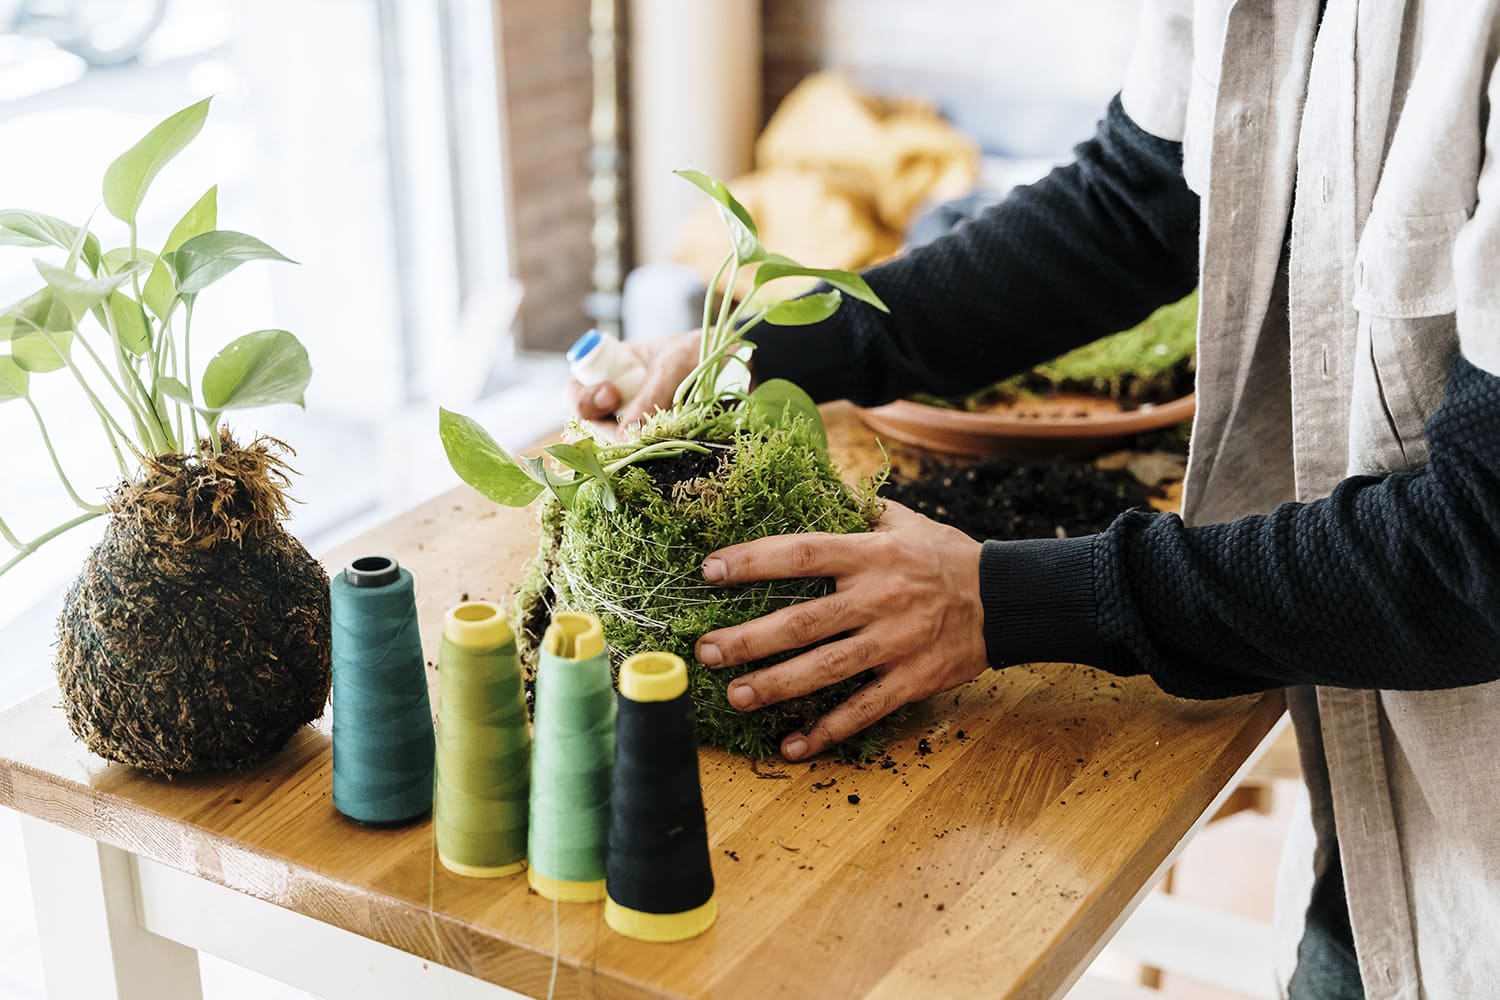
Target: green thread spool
[
  {"x": 570, "y": 779},
  {"x": 382, "y": 718},
  {"x": 483, "y": 745},
  {"x": 661, "y": 879}
]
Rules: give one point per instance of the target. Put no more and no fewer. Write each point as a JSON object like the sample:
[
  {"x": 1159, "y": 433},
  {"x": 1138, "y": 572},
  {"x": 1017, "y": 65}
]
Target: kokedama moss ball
[
  {"x": 197, "y": 635},
  {"x": 638, "y": 567}
]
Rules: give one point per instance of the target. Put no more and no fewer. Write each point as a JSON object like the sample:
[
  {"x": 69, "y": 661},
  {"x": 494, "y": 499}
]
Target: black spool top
[{"x": 372, "y": 571}]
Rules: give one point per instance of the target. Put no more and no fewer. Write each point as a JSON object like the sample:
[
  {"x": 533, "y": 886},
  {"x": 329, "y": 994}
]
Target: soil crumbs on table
[{"x": 1006, "y": 498}]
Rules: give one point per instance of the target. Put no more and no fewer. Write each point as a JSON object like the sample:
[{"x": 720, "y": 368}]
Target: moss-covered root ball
[
  {"x": 638, "y": 567},
  {"x": 197, "y": 636}
]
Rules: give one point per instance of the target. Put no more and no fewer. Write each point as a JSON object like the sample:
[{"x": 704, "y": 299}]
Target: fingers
[
  {"x": 864, "y": 708},
  {"x": 790, "y": 628},
  {"x": 785, "y": 557},
  {"x": 594, "y": 402},
  {"x": 656, "y": 394},
  {"x": 812, "y": 671}
]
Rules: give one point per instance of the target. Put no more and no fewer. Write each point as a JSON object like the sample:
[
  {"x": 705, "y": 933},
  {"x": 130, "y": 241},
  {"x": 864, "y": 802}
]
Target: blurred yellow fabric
[{"x": 839, "y": 175}]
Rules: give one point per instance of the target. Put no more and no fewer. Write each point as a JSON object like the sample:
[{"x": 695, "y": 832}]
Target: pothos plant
[
  {"x": 627, "y": 525},
  {"x": 196, "y": 634}
]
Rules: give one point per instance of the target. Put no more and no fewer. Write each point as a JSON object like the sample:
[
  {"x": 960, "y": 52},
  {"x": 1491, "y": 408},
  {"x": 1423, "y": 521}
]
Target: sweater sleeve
[
  {"x": 1091, "y": 249},
  {"x": 1388, "y": 583}
]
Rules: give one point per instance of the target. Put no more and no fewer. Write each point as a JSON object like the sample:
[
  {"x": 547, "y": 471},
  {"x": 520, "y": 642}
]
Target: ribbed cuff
[{"x": 1038, "y": 597}]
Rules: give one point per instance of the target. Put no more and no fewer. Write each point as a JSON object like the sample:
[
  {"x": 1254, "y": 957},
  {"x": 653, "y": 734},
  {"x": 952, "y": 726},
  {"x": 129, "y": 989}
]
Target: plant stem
[
  {"x": 708, "y": 308},
  {"x": 187, "y": 373},
  {"x": 57, "y": 464},
  {"x": 9, "y": 536},
  {"x": 88, "y": 391},
  {"x": 661, "y": 449},
  {"x": 114, "y": 445},
  {"x": 29, "y": 547},
  {"x": 137, "y": 410}
]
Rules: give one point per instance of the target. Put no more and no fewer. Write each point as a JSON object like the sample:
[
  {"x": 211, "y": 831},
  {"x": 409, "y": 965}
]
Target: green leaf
[
  {"x": 116, "y": 259},
  {"x": 583, "y": 458},
  {"x": 174, "y": 389},
  {"x": 38, "y": 311},
  {"x": 131, "y": 325},
  {"x": 482, "y": 463},
  {"x": 565, "y": 490},
  {"x": 14, "y": 380},
  {"x": 34, "y": 353},
  {"x": 777, "y": 400},
  {"x": 204, "y": 259},
  {"x": 80, "y": 295},
  {"x": 131, "y": 174},
  {"x": 736, "y": 219},
  {"x": 776, "y": 266},
  {"x": 814, "y": 308},
  {"x": 260, "y": 368},
  {"x": 21, "y": 228},
  {"x": 202, "y": 218}
]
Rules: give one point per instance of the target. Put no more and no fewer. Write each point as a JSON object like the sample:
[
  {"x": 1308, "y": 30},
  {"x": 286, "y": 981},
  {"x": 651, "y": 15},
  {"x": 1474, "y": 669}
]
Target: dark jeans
[{"x": 1326, "y": 965}]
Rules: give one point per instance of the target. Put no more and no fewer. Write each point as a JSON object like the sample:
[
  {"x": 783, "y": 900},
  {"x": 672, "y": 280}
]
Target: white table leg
[{"x": 86, "y": 913}]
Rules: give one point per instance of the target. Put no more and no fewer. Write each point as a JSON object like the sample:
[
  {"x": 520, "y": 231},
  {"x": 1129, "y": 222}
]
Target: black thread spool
[{"x": 660, "y": 879}]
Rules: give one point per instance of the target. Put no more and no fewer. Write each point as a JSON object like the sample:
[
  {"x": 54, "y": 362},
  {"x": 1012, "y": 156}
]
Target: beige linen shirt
[{"x": 1350, "y": 247}]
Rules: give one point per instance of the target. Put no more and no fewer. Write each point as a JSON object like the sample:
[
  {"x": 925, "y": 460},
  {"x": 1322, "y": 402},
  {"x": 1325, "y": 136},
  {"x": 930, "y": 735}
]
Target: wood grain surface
[{"x": 985, "y": 856}]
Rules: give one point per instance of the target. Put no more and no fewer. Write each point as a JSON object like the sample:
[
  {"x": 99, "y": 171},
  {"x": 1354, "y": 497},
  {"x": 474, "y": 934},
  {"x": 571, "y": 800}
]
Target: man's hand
[
  {"x": 905, "y": 605},
  {"x": 668, "y": 361}
]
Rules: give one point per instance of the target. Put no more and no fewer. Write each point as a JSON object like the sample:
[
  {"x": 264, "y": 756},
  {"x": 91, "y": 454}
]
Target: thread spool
[
  {"x": 483, "y": 745},
  {"x": 570, "y": 778},
  {"x": 382, "y": 717},
  {"x": 661, "y": 879}
]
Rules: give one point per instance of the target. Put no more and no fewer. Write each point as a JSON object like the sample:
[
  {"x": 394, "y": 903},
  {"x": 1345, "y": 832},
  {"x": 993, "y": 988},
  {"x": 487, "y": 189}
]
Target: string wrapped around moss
[
  {"x": 197, "y": 635},
  {"x": 638, "y": 567}
]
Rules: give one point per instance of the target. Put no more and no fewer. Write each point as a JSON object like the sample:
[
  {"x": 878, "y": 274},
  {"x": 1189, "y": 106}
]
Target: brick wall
[{"x": 547, "y": 88}]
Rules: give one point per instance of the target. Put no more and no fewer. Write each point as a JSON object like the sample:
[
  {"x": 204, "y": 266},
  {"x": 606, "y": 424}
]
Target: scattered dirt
[{"x": 1008, "y": 498}]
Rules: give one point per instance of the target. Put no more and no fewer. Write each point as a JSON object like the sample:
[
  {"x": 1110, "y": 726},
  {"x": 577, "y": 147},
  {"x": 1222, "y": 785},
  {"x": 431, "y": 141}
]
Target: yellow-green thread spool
[
  {"x": 573, "y": 755},
  {"x": 483, "y": 745},
  {"x": 660, "y": 875}
]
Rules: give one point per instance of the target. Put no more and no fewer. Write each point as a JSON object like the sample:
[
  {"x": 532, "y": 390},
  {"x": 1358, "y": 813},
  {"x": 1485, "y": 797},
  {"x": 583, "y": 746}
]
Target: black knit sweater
[{"x": 1390, "y": 582}]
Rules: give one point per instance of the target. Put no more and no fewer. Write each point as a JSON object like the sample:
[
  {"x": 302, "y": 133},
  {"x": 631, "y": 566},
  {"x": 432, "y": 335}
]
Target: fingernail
[
  {"x": 795, "y": 749},
  {"x": 740, "y": 696},
  {"x": 709, "y": 655},
  {"x": 713, "y": 570},
  {"x": 601, "y": 397}
]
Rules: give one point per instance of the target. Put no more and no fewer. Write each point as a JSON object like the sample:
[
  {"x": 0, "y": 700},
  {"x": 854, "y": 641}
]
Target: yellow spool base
[
  {"x": 662, "y": 927},
  {"x": 474, "y": 871},
  {"x": 563, "y": 891}
]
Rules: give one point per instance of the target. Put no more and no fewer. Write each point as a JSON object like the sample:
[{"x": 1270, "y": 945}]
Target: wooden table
[{"x": 1019, "y": 820}]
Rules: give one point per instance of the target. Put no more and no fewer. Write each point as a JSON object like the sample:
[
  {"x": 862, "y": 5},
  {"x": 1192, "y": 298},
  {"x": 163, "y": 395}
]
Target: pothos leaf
[
  {"x": 482, "y": 463},
  {"x": 130, "y": 175},
  {"x": 41, "y": 352},
  {"x": 583, "y": 457},
  {"x": 776, "y": 266},
  {"x": 808, "y": 309},
  {"x": 174, "y": 389},
  {"x": 260, "y": 368},
  {"x": 564, "y": 489},
  {"x": 21, "y": 228},
  {"x": 202, "y": 218},
  {"x": 777, "y": 401},
  {"x": 80, "y": 295},
  {"x": 206, "y": 258},
  {"x": 14, "y": 380},
  {"x": 114, "y": 260},
  {"x": 736, "y": 219},
  {"x": 131, "y": 325}
]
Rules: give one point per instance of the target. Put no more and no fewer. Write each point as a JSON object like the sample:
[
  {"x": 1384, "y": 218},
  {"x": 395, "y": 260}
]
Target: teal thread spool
[
  {"x": 483, "y": 745},
  {"x": 570, "y": 779},
  {"x": 382, "y": 718}
]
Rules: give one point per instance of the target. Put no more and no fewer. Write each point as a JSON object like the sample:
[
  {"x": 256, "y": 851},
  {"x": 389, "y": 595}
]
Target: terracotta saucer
[{"x": 1075, "y": 426}]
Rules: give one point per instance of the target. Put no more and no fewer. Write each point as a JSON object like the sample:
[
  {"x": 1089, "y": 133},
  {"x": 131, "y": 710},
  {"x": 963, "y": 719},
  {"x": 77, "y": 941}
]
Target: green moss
[{"x": 638, "y": 567}]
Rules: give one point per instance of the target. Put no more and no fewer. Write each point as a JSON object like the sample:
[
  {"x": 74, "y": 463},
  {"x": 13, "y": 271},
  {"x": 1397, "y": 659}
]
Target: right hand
[{"x": 668, "y": 361}]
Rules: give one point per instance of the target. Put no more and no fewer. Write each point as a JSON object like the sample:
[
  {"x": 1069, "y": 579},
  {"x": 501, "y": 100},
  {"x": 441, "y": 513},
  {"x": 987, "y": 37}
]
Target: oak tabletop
[{"x": 987, "y": 854}]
